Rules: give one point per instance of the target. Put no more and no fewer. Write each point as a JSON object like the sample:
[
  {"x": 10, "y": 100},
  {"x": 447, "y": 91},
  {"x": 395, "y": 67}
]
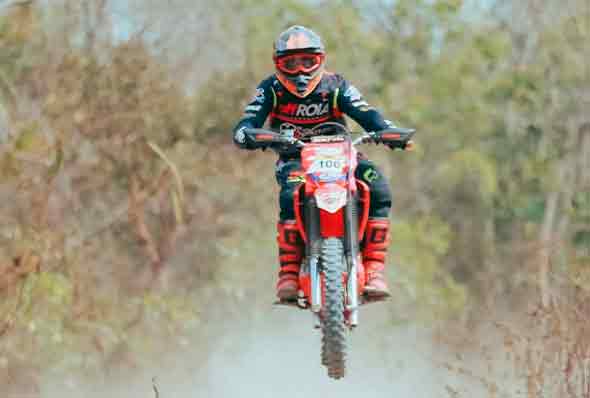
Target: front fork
[
  {"x": 313, "y": 252},
  {"x": 351, "y": 251}
]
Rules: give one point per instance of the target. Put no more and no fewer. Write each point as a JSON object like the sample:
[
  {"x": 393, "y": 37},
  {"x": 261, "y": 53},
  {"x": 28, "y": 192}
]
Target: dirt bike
[{"x": 331, "y": 211}]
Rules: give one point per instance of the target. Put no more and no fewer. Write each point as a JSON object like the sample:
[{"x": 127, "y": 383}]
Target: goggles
[{"x": 299, "y": 63}]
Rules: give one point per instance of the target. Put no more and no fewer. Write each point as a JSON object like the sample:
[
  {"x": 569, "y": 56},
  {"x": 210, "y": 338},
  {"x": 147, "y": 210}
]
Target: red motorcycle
[{"x": 331, "y": 211}]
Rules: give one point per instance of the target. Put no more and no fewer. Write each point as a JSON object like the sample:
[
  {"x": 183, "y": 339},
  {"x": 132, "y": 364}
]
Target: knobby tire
[{"x": 333, "y": 326}]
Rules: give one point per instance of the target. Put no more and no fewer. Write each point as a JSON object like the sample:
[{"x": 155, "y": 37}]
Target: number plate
[
  {"x": 331, "y": 198},
  {"x": 328, "y": 162}
]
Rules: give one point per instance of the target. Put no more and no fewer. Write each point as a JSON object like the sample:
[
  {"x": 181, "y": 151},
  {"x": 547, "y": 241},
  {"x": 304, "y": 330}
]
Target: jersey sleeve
[
  {"x": 351, "y": 102},
  {"x": 255, "y": 112}
]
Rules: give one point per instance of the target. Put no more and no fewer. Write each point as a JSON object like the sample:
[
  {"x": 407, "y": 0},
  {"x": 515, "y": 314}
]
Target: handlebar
[
  {"x": 389, "y": 135},
  {"x": 268, "y": 137},
  {"x": 396, "y": 137}
]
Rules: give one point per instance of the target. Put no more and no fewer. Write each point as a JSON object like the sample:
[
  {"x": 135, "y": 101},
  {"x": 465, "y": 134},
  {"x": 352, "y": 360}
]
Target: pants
[{"x": 289, "y": 176}]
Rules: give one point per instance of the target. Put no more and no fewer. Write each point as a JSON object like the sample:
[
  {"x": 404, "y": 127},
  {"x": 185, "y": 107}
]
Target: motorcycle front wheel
[{"x": 333, "y": 326}]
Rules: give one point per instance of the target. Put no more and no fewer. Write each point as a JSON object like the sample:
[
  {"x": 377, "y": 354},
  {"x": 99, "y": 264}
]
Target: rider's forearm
[
  {"x": 255, "y": 112},
  {"x": 238, "y": 131}
]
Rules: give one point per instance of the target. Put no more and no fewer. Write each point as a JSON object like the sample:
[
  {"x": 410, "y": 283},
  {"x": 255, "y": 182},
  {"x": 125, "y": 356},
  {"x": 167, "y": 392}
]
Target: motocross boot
[
  {"x": 291, "y": 249},
  {"x": 374, "y": 253}
]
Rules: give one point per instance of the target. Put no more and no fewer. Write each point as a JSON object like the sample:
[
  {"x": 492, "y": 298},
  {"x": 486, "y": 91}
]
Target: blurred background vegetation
[{"x": 126, "y": 212}]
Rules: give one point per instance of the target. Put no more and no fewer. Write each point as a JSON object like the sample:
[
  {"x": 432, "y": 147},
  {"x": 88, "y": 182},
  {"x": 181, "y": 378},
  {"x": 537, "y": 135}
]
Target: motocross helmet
[{"x": 299, "y": 58}]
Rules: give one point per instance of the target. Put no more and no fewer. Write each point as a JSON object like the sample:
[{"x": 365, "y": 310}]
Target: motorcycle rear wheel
[{"x": 333, "y": 326}]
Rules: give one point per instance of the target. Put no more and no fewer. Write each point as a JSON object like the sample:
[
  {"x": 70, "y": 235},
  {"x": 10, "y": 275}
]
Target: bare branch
[{"x": 138, "y": 222}]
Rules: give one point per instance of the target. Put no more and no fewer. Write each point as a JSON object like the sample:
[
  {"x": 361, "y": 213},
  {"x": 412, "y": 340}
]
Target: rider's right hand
[{"x": 245, "y": 140}]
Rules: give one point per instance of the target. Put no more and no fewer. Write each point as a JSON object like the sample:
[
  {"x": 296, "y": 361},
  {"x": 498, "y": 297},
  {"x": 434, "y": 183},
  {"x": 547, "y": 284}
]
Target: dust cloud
[
  {"x": 281, "y": 356},
  {"x": 277, "y": 354}
]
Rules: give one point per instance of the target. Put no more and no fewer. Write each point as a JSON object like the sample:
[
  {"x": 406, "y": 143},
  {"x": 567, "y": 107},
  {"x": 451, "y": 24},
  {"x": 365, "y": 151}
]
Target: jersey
[{"x": 333, "y": 98}]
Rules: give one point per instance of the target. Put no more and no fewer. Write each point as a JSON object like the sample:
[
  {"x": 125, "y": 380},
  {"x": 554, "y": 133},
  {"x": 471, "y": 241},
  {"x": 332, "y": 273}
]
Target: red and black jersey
[{"x": 333, "y": 98}]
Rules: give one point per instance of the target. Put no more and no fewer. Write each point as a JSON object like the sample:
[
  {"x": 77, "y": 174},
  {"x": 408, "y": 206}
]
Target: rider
[{"x": 300, "y": 95}]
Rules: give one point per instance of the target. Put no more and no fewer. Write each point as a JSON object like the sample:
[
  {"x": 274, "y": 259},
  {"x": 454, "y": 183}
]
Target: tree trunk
[{"x": 544, "y": 255}]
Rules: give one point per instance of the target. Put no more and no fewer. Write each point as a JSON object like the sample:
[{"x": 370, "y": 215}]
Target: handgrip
[
  {"x": 267, "y": 138},
  {"x": 262, "y": 135},
  {"x": 394, "y": 134}
]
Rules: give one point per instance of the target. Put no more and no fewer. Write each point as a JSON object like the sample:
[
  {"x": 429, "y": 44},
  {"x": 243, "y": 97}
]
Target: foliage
[
  {"x": 124, "y": 203},
  {"x": 420, "y": 246}
]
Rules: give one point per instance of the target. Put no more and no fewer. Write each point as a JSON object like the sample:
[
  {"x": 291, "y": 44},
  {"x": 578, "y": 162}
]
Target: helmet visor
[{"x": 299, "y": 63}]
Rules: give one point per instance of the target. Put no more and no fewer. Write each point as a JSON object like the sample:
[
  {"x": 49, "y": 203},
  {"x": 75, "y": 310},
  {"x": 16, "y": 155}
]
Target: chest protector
[{"x": 304, "y": 113}]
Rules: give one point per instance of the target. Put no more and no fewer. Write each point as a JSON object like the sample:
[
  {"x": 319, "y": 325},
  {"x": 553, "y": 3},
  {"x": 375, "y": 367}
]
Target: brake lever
[
  {"x": 292, "y": 141},
  {"x": 364, "y": 138}
]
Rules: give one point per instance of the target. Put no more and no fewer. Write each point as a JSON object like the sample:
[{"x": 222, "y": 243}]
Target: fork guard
[{"x": 364, "y": 204}]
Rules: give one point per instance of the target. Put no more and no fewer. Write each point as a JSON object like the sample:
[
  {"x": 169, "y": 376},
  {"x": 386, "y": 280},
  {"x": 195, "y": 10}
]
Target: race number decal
[{"x": 327, "y": 165}]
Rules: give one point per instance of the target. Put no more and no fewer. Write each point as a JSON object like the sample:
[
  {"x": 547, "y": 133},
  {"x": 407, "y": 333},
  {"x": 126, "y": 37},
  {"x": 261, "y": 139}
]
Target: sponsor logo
[
  {"x": 353, "y": 93},
  {"x": 279, "y": 166},
  {"x": 298, "y": 40},
  {"x": 371, "y": 175},
  {"x": 331, "y": 199},
  {"x": 378, "y": 236},
  {"x": 287, "y": 130},
  {"x": 358, "y": 104},
  {"x": 329, "y": 152},
  {"x": 290, "y": 130},
  {"x": 253, "y": 108},
  {"x": 312, "y": 110},
  {"x": 296, "y": 179},
  {"x": 240, "y": 136},
  {"x": 304, "y": 110},
  {"x": 327, "y": 177},
  {"x": 288, "y": 109},
  {"x": 335, "y": 138},
  {"x": 259, "y": 96}
]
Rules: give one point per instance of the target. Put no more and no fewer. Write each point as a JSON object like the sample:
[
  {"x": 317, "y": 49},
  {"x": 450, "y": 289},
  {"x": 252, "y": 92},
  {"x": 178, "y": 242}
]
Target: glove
[
  {"x": 397, "y": 145},
  {"x": 244, "y": 140},
  {"x": 403, "y": 145}
]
